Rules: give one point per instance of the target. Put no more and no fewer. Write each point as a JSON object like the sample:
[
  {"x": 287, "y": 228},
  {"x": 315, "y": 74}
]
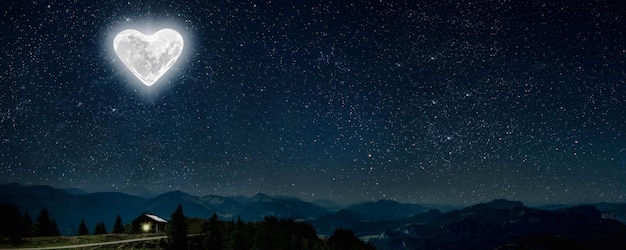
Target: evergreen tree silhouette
[
  {"x": 118, "y": 228},
  {"x": 345, "y": 239},
  {"x": 82, "y": 228},
  {"x": 10, "y": 218},
  {"x": 27, "y": 225},
  {"x": 55, "y": 228},
  {"x": 44, "y": 225},
  {"x": 212, "y": 230},
  {"x": 177, "y": 232},
  {"x": 100, "y": 229}
]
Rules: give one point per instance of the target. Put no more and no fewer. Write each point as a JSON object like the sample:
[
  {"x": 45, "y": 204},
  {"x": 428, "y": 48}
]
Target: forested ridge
[{"x": 212, "y": 233}]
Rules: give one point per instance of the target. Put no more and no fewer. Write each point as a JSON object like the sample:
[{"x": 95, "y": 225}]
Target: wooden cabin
[{"x": 149, "y": 223}]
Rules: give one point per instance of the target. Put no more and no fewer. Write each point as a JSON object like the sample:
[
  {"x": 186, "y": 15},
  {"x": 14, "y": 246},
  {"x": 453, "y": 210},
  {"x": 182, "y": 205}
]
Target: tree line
[
  {"x": 100, "y": 228},
  {"x": 271, "y": 233},
  {"x": 16, "y": 225}
]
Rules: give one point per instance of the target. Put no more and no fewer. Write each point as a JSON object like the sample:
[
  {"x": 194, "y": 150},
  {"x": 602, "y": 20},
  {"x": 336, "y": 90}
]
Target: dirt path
[{"x": 101, "y": 243}]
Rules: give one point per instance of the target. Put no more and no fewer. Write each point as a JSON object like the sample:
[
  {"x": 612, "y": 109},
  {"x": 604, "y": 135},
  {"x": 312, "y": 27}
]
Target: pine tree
[
  {"x": 55, "y": 229},
  {"x": 118, "y": 227},
  {"x": 213, "y": 233},
  {"x": 100, "y": 229},
  {"x": 82, "y": 228},
  {"x": 10, "y": 219},
  {"x": 44, "y": 225},
  {"x": 345, "y": 239},
  {"x": 27, "y": 225},
  {"x": 177, "y": 231}
]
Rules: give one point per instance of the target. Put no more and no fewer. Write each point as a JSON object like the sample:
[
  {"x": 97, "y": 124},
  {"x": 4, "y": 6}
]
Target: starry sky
[{"x": 451, "y": 102}]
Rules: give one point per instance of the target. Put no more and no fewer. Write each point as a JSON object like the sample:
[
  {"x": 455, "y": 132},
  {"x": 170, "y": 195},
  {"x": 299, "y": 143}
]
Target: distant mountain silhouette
[
  {"x": 229, "y": 208},
  {"x": 498, "y": 224},
  {"x": 504, "y": 223},
  {"x": 165, "y": 204},
  {"x": 346, "y": 219},
  {"x": 32, "y": 199},
  {"x": 68, "y": 208},
  {"x": 327, "y": 204},
  {"x": 616, "y": 210},
  {"x": 285, "y": 207},
  {"x": 362, "y": 225},
  {"x": 74, "y": 191},
  {"x": 384, "y": 210}
]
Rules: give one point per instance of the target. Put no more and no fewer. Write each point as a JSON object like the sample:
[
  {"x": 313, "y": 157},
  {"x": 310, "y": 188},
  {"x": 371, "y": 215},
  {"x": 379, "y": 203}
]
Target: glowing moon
[{"x": 148, "y": 57}]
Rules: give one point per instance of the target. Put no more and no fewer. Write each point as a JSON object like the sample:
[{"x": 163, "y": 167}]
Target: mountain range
[
  {"x": 503, "y": 224},
  {"x": 68, "y": 207},
  {"x": 388, "y": 224}
]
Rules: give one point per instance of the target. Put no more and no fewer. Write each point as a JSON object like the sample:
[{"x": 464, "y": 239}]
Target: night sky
[{"x": 453, "y": 102}]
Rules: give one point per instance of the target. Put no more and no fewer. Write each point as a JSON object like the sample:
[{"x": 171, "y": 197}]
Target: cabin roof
[{"x": 156, "y": 218}]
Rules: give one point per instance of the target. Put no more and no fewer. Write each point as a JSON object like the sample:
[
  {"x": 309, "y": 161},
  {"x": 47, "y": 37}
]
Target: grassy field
[
  {"x": 194, "y": 226},
  {"x": 37, "y": 242}
]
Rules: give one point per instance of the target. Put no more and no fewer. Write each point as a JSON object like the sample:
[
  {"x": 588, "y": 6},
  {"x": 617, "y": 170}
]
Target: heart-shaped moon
[{"x": 148, "y": 57}]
